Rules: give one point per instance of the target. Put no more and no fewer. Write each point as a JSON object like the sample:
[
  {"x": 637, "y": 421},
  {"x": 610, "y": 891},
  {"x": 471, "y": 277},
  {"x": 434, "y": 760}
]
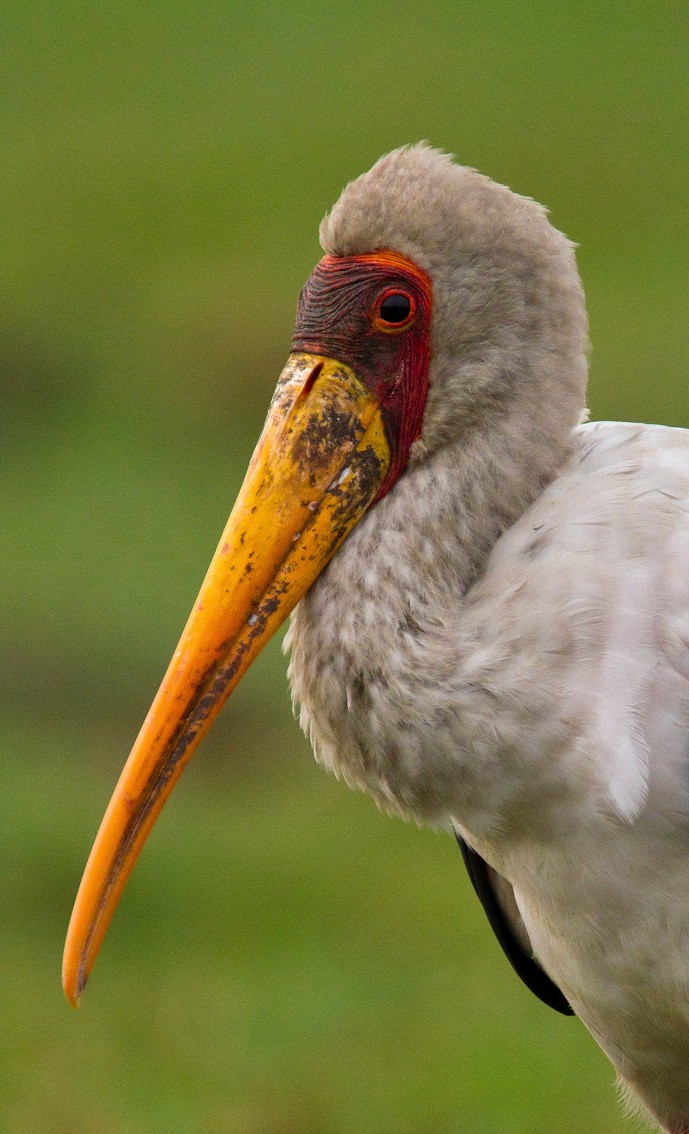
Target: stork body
[
  {"x": 540, "y": 705},
  {"x": 493, "y": 632}
]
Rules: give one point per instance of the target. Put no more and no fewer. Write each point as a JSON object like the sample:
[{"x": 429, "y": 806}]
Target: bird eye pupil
[{"x": 395, "y": 308}]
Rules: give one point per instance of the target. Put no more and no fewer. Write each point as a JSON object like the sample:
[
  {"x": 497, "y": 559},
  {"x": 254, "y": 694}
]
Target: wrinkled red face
[{"x": 373, "y": 313}]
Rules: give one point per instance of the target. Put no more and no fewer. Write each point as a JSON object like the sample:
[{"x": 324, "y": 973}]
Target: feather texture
[{"x": 501, "y": 646}]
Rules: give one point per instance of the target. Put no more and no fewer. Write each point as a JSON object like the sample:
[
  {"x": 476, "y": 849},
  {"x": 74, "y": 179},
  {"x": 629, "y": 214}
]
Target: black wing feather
[{"x": 526, "y": 967}]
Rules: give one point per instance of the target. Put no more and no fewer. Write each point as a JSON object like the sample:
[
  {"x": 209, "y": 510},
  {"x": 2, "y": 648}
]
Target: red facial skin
[{"x": 339, "y": 316}]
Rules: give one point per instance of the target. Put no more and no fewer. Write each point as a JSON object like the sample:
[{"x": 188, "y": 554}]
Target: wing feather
[{"x": 497, "y": 898}]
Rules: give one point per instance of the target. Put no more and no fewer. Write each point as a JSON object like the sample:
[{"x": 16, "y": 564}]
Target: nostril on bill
[{"x": 308, "y": 384}]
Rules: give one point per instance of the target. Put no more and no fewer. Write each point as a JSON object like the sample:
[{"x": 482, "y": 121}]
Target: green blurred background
[{"x": 286, "y": 960}]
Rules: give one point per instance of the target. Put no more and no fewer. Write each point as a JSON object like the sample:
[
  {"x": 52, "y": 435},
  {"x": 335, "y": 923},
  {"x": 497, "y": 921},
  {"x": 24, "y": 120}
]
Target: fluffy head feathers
[{"x": 509, "y": 328}]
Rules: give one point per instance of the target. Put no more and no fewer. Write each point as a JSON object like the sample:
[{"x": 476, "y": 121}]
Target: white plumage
[{"x": 501, "y": 646}]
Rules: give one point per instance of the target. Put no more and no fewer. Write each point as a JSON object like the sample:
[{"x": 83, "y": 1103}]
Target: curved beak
[{"x": 317, "y": 467}]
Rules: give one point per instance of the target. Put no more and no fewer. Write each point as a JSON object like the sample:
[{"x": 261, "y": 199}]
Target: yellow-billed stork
[{"x": 493, "y": 624}]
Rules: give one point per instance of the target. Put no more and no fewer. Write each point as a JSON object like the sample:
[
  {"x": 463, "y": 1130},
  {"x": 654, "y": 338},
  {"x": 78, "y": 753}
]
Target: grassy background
[{"x": 286, "y": 961}]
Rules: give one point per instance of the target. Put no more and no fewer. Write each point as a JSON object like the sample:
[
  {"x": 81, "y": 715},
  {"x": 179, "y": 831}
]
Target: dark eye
[{"x": 395, "y": 308}]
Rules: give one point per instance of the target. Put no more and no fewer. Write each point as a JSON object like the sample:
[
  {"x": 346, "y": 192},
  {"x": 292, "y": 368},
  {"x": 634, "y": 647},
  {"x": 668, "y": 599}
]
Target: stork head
[
  {"x": 508, "y": 330},
  {"x": 445, "y": 304}
]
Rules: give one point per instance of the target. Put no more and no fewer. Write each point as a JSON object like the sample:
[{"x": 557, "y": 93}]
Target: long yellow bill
[{"x": 317, "y": 467}]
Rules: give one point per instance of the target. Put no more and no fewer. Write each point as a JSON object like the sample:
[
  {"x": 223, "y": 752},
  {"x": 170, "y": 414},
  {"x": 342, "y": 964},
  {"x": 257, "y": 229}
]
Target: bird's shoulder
[
  {"x": 623, "y": 485},
  {"x": 586, "y": 599},
  {"x": 620, "y": 506}
]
